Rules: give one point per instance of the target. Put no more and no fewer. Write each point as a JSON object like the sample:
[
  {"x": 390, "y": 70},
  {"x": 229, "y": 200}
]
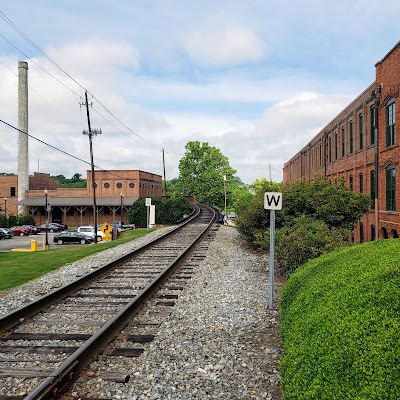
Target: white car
[{"x": 89, "y": 231}]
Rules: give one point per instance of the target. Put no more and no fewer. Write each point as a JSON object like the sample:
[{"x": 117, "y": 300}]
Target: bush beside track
[{"x": 340, "y": 322}]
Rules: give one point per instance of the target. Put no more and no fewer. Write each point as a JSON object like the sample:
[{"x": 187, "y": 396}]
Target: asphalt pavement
[{"x": 24, "y": 242}]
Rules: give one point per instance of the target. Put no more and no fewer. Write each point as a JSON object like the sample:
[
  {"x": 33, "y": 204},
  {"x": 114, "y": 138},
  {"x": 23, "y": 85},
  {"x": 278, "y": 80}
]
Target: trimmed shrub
[
  {"x": 306, "y": 239},
  {"x": 340, "y": 325}
]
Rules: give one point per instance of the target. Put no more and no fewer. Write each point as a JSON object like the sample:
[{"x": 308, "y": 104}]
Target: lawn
[{"x": 19, "y": 268}]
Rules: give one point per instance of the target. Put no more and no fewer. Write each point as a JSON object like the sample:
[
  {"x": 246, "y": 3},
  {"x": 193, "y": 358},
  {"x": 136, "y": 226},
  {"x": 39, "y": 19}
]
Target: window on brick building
[
  {"x": 343, "y": 143},
  {"x": 361, "y": 232},
  {"x": 372, "y": 189},
  {"x": 391, "y": 188},
  {"x": 351, "y": 182},
  {"x": 390, "y": 123},
  {"x": 330, "y": 149},
  {"x": 351, "y": 137},
  {"x": 361, "y": 178},
  {"x": 360, "y": 130},
  {"x": 373, "y": 232},
  {"x": 12, "y": 191},
  {"x": 320, "y": 154},
  {"x": 336, "y": 146},
  {"x": 372, "y": 124}
]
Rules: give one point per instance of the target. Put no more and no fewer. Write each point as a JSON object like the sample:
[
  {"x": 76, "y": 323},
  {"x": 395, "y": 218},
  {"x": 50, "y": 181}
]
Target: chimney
[{"x": 23, "y": 162}]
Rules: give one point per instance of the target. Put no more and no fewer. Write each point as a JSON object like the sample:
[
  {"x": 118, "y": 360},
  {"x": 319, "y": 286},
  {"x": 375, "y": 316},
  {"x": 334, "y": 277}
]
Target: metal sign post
[
  {"x": 272, "y": 202},
  {"x": 148, "y": 204}
]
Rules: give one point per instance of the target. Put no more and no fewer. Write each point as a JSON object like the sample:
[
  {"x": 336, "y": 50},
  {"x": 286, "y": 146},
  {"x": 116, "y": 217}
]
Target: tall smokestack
[{"x": 23, "y": 163}]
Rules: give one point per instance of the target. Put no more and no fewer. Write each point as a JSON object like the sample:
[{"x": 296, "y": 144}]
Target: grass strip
[{"x": 19, "y": 268}]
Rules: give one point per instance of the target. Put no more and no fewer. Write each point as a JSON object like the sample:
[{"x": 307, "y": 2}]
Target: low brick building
[
  {"x": 116, "y": 190},
  {"x": 361, "y": 145}
]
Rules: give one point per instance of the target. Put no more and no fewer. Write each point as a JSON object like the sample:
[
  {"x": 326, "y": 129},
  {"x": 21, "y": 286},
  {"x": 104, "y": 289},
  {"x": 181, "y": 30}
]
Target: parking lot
[{"x": 24, "y": 242}]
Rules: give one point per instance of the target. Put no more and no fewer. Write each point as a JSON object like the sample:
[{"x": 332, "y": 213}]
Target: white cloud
[
  {"x": 229, "y": 45},
  {"x": 94, "y": 54}
]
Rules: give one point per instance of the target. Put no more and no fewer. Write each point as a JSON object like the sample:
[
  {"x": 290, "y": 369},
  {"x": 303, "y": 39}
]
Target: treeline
[
  {"x": 316, "y": 218},
  {"x": 75, "y": 182},
  {"x": 13, "y": 220}
]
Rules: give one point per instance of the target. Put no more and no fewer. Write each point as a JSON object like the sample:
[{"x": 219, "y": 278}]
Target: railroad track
[{"x": 48, "y": 344}]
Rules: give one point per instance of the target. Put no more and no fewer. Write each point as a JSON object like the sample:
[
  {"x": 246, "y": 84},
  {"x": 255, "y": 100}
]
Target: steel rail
[
  {"x": 60, "y": 379},
  {"x": 28, "y": 310}
]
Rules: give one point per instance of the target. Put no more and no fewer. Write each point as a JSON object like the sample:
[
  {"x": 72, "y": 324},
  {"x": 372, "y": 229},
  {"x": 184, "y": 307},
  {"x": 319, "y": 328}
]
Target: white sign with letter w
[{"x": 272, "y": 200}]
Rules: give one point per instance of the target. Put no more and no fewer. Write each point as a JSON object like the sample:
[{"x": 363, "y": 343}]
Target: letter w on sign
[{"x": 272, "y": 200}]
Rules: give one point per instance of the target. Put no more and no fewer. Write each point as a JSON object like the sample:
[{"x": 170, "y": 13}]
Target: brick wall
[{"x": 326, "y": 156}]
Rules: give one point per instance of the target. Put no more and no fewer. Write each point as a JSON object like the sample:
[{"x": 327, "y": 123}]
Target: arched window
[
  {"x": 361, "y": 232},
  {"x": 373, "y": 232},
  {"x": 394, "y": 234},
  {"x": 385, "y": 233},
  {"x": 390, "y": 188}
]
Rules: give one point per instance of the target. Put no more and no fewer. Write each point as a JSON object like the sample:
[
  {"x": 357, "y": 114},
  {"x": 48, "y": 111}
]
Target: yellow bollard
[{"x": 34, "y": 245}]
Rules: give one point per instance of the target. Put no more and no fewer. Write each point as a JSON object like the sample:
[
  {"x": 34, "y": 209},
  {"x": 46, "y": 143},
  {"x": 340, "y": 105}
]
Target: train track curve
[{"x": 46, "y": 344}]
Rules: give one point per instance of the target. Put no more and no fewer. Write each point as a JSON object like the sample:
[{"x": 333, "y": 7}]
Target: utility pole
[
  {"x": 165, "y": 180},
  {"x": 90, "y": 133}
]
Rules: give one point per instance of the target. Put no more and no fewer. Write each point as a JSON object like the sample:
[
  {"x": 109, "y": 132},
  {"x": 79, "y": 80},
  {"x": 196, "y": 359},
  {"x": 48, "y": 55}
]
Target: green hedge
[
  {"x": 168, "y": 211},
  {"x": 341, "y": 325}
]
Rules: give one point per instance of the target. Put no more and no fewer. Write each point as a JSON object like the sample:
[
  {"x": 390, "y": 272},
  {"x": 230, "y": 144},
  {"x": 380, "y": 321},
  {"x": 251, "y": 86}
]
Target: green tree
[
  {"x": 201, "y": 173},
  {"x": 172, "y": 188},
  {"x": 74, "y": 182},
  {"x": 3, "y": 221}
]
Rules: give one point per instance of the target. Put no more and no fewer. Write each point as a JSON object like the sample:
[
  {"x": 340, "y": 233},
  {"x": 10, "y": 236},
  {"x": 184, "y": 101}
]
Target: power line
[
  {"x": 38, "y": 94},
  {"x": 61, "y": 151},
  {"x": 21, "y": 33}
]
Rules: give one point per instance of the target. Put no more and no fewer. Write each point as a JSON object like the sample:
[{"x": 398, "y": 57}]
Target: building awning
[{"x": 77, "y": 201}]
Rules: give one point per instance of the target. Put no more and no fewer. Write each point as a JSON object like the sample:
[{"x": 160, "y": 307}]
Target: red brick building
[
  {"x": 361, "y": 145},
  {"x": 115, "y": 190}
]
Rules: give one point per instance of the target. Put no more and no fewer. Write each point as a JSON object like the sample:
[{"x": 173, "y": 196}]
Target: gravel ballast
[{"x": 220, "y": 341}]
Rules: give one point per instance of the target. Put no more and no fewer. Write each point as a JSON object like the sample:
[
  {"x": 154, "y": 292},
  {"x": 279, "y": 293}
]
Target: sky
[{"x": 257, "y": 79}]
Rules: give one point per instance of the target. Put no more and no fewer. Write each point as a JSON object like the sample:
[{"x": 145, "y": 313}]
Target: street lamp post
[
  {"x": 5, "y": 206},
  {"x": 122, "y": 208},
  {"x": 47, "y": 219}
]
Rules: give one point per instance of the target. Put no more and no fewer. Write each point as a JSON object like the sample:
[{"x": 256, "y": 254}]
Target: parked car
[
  {"x": 50, "y": 228},
  {"x": 73, "y": 237},
  {"x": 89, "y": 230},
  {"x": 7, "y": 233},
  {"x": 34, "y": 230},
  {"x": 61, "y": 227},
  {"x": 119, "y": 225},
  {"x": 20, "y": 230}
]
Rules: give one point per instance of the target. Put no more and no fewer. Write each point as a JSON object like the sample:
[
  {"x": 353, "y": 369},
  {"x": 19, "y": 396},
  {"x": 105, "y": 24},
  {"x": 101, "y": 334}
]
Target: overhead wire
[
  {"x": 62, "y": 151},
  {"x": 38, "y": 94},
  {"x": 142, "y": 139},
  {"x": 21, "y": 33}
]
